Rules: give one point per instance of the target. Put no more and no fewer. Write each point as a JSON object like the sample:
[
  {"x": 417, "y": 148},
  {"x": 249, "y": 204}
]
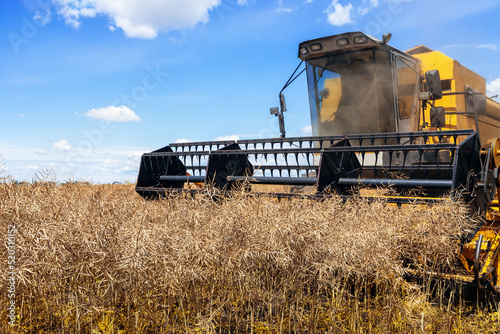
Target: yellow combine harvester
[{"x": 416, "y": 121}]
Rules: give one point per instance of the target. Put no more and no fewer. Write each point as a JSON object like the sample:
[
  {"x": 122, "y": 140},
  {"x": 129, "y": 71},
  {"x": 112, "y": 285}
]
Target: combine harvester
[{"x": 416, "y": 121}]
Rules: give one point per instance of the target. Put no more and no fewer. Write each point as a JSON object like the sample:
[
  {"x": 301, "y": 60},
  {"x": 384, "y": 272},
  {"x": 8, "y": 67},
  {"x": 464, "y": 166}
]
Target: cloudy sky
[{"x": 87, "y": 86}]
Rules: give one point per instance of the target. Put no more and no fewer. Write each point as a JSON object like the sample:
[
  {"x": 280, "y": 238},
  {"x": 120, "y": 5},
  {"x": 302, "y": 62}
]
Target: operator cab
[{"x": 359, "y": 84}]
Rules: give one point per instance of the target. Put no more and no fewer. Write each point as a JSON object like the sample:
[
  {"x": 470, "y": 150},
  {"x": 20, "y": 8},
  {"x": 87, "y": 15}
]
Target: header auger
[{"x": 416, "y": 121}]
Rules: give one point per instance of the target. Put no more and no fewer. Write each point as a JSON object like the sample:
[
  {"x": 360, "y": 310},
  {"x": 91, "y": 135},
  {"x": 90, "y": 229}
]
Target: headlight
[
  {"x": 342, "y": 41},
  {"x": 360, "y": 39},
  {"x": 315, "y": 46}
]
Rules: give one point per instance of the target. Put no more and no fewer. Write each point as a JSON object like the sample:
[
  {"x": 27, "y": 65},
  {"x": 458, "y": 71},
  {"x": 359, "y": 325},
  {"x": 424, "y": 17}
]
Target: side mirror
[
  {"x": 437, "y": 117},
  {"x": 433, "y": 84}
]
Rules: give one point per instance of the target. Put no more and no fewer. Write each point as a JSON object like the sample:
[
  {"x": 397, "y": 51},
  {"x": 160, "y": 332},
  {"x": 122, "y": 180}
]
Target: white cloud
[
  {"x": 182, "y": 140},
  {"x": 62, "y": 146},
  {"x": 242, "y": 2},
  {"x": 73, "y": 10},
  {"x": 307, "y": 130},
  {"x": 115, "y": 114},
  {"x": 339, "y": 15},
  {"x": 372, "y": 4},
  {"x": 174, "y": 40},
  {"x": 42, "y": 19},
  {"x": 140, "y": 18},
  {"x": 493, "y": 88},
  {"x": 20, "y": 115},
  {"x": 230, "y": 137},
  {"x": 491, "y": 47},
  {"x": 282, "y": 9},
  {"x": 105, "y": 164}
]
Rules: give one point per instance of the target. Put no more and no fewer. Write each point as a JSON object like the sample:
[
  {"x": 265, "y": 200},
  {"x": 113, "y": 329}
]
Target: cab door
[{"x": 406, "y": 83}]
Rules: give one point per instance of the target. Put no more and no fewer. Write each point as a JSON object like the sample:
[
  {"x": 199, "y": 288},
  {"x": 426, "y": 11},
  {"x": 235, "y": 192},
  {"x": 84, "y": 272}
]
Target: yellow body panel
[{"x": 459, "y": 77}]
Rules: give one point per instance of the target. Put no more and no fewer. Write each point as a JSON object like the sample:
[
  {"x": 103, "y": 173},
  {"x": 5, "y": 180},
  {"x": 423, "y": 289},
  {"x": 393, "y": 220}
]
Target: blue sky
[{"x": 87, "y": 86}]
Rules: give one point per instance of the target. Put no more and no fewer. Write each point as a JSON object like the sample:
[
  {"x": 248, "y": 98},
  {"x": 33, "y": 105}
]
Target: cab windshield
[{"x": 351, "y": 93}]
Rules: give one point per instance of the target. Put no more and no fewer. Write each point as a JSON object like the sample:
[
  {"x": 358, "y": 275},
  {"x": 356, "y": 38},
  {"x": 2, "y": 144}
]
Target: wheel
[{"x": 495, "y": 152}]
